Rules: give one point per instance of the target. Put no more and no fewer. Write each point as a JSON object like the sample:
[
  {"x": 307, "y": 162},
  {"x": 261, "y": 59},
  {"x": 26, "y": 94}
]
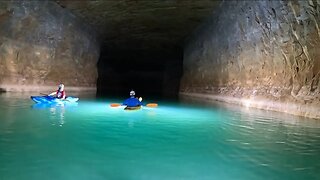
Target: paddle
[
  {"x": 115, "y": 105},
  {"x": 65, "y": 99},
  {"x": 153, "y": 105}
]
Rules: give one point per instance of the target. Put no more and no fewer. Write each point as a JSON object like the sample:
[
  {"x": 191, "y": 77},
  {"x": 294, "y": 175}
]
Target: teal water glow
[{"x": 91, "y": 140}]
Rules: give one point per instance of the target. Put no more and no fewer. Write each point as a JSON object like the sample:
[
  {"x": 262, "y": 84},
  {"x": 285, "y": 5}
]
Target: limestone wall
[
  {"x": 42, "y": 44},
  {"x": 258, "y": 51}
]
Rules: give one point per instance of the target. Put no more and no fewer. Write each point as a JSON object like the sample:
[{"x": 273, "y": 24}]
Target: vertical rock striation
[
  {"x": 42, "y": 44},
  {"x": 263, "y": 54}
]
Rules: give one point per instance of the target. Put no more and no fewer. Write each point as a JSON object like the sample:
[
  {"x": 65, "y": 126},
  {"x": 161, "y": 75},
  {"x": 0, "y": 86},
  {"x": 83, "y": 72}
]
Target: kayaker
[
  {"x": 132, "y": 101},
  {"x": 60, "y": 93}
]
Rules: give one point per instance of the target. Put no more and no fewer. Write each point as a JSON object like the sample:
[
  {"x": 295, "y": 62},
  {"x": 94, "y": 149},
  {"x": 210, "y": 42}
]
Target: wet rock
[
  {"x": 42, "y": 44},
  {"x": 270, "y": 47}
]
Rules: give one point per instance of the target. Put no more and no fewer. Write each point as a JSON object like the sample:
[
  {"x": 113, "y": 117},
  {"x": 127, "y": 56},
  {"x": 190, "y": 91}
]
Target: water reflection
[
  {"x": 56, "y": 111},
  {"x": 254, "y": 115}
]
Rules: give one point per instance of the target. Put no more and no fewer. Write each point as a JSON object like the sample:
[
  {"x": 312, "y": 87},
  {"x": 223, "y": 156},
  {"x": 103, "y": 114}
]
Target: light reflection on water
[{"x": 91, "y": 140}]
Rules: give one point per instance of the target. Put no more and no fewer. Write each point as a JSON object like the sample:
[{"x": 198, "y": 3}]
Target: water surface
[{"x": 91, "y": 140}]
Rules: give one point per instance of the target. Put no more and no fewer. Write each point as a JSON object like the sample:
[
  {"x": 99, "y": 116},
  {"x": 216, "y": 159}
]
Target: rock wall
[
  {"x": 43, "y": 44},
  {"x": 264, "y": 54}
]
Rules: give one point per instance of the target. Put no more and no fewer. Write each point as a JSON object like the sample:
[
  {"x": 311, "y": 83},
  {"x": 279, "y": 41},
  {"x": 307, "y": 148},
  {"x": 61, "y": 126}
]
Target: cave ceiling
[{"x": 151, "y": 25}]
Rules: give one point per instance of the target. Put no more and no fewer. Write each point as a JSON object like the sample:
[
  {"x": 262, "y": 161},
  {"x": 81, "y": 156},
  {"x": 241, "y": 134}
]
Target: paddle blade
[
  {"x": 115, "y": 105},
  {"x": 152, "y": 105}
]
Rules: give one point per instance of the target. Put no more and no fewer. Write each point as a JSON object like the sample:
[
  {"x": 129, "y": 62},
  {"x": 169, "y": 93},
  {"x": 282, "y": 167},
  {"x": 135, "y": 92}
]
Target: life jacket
[
  {"x": 132, "y": 102},
  {"x": 60, "y": 94}
]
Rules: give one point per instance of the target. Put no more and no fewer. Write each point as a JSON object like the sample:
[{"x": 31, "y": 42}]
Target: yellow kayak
[{"x": 132, "y": 108}]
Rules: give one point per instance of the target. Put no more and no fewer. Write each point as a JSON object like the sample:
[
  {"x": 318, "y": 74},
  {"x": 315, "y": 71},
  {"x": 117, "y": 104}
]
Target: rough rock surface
[
  {"x": 258, "y": 53},
  {"x": 141, "y": 24},
  {"x": 42, "y": 44}
]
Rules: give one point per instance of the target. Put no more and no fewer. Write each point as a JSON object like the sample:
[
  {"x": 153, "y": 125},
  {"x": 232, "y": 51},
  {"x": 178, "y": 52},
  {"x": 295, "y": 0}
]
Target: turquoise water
[{"x": 91, "y": 140}]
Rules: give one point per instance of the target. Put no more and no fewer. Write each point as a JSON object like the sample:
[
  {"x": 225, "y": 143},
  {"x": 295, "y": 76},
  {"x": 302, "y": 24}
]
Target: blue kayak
[{"x": 51, "y": 99}]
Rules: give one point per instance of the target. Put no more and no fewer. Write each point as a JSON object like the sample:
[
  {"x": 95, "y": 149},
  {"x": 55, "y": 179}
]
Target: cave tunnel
[
  {"x": 243, "y": 52},
  {"x": 230, "y": 88},
  {"x": 141, "y": 43}
]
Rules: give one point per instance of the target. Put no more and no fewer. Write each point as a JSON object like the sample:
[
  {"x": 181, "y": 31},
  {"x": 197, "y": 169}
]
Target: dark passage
[
  {"x": 141, "y": 42},
  {"x": 150, "y": 74}
]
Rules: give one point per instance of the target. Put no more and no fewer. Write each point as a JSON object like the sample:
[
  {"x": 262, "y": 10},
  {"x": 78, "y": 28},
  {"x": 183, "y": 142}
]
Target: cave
[
  {"x": 261, "y": 52},
  {"x": 159, "y": 89},
  {"x": 264, "y": 52}
]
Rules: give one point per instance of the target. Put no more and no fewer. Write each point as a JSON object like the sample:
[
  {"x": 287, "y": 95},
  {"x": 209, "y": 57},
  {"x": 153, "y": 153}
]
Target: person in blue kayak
[
  {"x": 132, "y": 101},
  {"x": 60, "y": 93}
]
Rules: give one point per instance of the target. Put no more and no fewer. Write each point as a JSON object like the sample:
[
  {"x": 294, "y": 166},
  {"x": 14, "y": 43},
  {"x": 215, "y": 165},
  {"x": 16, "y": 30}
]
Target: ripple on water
[{"x": 169, "y": 142}]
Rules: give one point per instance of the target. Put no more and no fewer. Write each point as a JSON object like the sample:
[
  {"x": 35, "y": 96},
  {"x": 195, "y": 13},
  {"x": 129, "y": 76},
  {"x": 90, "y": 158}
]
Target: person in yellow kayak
[
  {"x": 60, "y": 93},
  {"x": 133, "y": 101}
]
